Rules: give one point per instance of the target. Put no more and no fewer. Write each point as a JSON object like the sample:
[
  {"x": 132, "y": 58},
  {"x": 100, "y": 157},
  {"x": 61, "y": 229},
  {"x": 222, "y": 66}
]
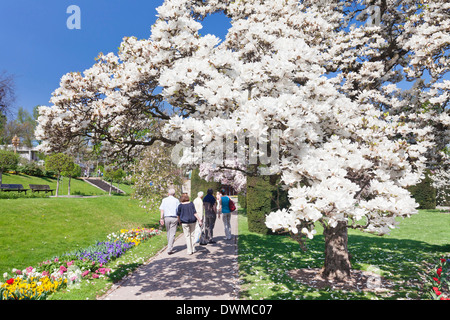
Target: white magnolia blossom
[
  {"x": 441, "y": 182},
  {"x": 114, "y": 103},
  {"x": 352, "y": 138},
  {"x": 232, "y": 177},
  {"x": 153, "y": 175}
]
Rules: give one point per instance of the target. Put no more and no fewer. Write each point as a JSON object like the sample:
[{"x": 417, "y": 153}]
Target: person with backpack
[{"x": 227, "y": 207}]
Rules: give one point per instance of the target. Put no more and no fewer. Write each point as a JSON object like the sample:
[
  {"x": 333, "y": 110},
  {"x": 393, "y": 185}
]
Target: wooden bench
[
  {"x": 13, "y": 187},
  {"x": 41, "y": 187}
]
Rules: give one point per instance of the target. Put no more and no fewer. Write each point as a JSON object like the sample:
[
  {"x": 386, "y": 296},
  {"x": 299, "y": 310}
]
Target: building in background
[{"x": 30, "y": 154}]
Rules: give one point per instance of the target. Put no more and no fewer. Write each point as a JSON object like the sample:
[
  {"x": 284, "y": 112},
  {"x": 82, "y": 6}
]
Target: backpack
[{"x": 231, "y": 205}]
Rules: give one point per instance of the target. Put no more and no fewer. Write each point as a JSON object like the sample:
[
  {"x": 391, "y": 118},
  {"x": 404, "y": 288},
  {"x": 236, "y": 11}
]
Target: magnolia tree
[
  {"x": 231, "y": 175},
  {"x": 153, "y": 174},
  {"x": 356, "y": 92},
  {"x": 348, "y": 146},
  {"x": 114, "y": 104}
]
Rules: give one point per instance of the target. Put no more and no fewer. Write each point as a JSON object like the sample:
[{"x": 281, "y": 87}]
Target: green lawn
[
  {"x": 401, "y": 257},
  {"x": 36, "y": 229},
  {"x": 125, "y": 264},
  {"x": 77, "y": 186}
]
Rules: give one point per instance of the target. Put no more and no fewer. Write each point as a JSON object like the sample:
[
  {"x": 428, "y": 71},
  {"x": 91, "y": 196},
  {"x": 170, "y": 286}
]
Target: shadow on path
[{"x": 209, "y": 273}]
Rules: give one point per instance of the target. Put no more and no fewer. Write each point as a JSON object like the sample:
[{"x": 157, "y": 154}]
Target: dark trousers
[{"x": 210, "y": 221}]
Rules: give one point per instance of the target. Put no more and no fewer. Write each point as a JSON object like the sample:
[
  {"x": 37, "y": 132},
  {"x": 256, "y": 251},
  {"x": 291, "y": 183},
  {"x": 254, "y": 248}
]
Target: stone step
[{"x": 102, "y": 185}]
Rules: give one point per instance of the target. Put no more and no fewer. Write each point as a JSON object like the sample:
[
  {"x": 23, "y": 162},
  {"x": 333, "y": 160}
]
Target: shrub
[
  {"x": 259, "y": 196},
  {"x": 21, "y": 195},
  {"x": 264, "y": 194},
  {"x": 31, "y": 168},
  {"x": 8, "y": 161},
  {"x": 424, "y": 193},
  {"x": 242, "y": 199}
]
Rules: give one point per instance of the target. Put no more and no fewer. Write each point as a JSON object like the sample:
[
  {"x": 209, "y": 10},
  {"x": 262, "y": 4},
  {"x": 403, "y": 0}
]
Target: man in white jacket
[{"x": 198, "y": 203}]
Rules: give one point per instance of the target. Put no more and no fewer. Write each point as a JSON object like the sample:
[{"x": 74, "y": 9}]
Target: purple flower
[{"x": 102, "y": 252}]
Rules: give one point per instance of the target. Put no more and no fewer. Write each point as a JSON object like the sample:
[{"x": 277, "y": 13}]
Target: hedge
[
  {"x": 242, "y": 200},
  {"x": 424, "y": 193},
  {"x": 264, "y": 194}
]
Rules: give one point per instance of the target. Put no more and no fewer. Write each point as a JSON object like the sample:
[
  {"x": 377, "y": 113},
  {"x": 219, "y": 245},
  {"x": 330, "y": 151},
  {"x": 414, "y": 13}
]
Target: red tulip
[
  {"x": 10, "y": 281},
  {"x": 436, "y": 290}
]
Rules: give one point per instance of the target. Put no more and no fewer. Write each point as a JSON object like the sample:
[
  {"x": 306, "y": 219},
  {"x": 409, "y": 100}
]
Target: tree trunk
[
  {"x": 1, "y": 174},
  {"x": 337, "y": 259},
  {"x": 68, "y": 189},
  {"x": 57, "y": 184}
]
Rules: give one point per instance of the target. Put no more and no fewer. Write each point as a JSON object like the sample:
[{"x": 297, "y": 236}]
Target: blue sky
[{"x": 37, "y": 48}]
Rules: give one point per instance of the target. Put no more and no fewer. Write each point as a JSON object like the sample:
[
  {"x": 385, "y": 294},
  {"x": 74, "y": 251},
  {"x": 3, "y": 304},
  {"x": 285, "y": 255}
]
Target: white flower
[
  {"x": 295, "y": 67},
  {"x": 309, "y": 234}
]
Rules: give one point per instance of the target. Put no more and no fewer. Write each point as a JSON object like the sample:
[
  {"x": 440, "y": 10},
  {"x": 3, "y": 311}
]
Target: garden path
[{"x": 209, "y": 274}]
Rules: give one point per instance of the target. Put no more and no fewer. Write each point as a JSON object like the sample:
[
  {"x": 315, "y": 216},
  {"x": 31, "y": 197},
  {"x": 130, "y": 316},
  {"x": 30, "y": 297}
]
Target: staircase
[{"x": 103, "y": 185}]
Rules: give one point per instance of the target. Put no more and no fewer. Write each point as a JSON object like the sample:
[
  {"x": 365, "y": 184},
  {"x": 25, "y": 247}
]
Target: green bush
[
  {"x": 242, "y": 200},
  {"x": 8, "y": 161},
  {"x": 259, "y": 198},
  {"x": 264, "y": 194},
  {"x": 424, "y": 193},
  {"x": 22, "y": 195},
  {"x": 31, "y": 168}
]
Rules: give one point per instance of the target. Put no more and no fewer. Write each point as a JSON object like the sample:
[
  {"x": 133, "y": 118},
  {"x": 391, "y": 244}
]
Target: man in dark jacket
[{"x": 209, "y": 203}]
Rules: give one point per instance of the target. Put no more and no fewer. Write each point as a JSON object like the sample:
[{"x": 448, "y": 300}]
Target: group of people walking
[{"x": 203, "y": 211}]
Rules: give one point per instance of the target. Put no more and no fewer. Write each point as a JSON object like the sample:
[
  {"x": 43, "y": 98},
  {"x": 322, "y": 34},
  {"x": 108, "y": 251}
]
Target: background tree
[
  {"x": 153, "y": 174},
  {"x": 112, "y": 174},
  {"x": 59, "y": 162},
  {"x": 73, "y": 171},
  {"x": 8, "y": 161},
  {"x": 121, "y": 112},
  {"x": 3, "y": 121},
  {"x": 7, "y": 97},
  {"x": 23, "y": 126},
  {"x": 6, "y": 92},
  {"x": 232, "y": 177}
]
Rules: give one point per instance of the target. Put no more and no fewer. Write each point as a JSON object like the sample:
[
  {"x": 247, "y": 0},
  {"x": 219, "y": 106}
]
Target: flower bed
[
  {"x": 30, "y": 285},
  {"x": 439, "y": 281},
  {"x": 71, "y": 268}
]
